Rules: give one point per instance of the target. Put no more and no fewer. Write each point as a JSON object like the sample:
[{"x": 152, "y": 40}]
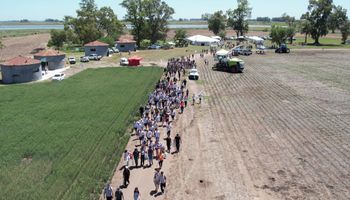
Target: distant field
[
  {"x": 62, "y": 140},
  {"x": 29, "y": 23},
  {"x": 19, "y": 33}
]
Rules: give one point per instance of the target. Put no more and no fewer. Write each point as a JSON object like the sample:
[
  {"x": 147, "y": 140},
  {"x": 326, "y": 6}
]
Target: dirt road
[{"x": 280, "y": 130}]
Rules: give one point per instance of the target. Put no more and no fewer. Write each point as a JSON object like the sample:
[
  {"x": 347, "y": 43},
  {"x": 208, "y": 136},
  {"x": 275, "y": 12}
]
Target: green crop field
[{"x": 62, "y": 140}]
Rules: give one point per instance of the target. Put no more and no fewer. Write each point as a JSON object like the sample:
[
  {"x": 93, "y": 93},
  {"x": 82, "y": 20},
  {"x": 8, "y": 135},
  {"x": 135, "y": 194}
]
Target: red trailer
[{"x": 134, "y": 61}]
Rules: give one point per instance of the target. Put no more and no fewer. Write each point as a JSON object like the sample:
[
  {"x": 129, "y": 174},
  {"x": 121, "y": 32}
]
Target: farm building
[
  {"x": 20, "y": 70},
  {"x": 126, "y": 43},
  {"x": 96, "y": 47},
  {"x": 51, "y": 59}
]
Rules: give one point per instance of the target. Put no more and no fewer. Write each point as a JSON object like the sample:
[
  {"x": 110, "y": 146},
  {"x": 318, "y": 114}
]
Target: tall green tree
[
  {"x": 238, "y": 18},
  {"x": 292, "y": 26},
  {"x": 305, "y": 26},
  {"x": 157, "y": 14},
  {"x": 278, "y": 34},
  {"x": 345, "y": 30},
  {"x": 136, "y": 16},
  {"x": 216, "y": 22},
  {"x": 179, "y": 38},
  {"x": 336, "y": 18},
  {"x": 320, "y": 11},
  {"x": 58, "y": 37},
  {"x": 108, "y": 23}
]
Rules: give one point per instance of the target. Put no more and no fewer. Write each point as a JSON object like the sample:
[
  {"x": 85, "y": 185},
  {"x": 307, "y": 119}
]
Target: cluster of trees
[
  {"x": 263, "y": 19},
  {"x": 53, "y": 20},
  {"x": 90, "y": 24},
  {"x": 237, "y": 19},
  {"x": 149, "y": 19},
  {"x": 321, "y": 17}
]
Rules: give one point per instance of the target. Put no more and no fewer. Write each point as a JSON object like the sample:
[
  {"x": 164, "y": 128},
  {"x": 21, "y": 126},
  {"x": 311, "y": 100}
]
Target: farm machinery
[
  {"x": 234, "y": 65},
  {"x": 282, "y": 49}
]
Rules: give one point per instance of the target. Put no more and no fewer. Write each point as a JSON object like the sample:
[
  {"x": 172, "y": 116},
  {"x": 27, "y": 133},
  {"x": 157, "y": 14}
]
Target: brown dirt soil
[
  {"x": 280, "y": 130},
  {"x": 25, "y": 46}
]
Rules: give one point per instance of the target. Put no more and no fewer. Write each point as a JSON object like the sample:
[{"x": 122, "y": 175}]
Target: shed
[
  {"x": 51, "y": 58},
  {"x": 20, "y": 70},
  {"x": 126, "y": 43},
  {"x": 96, "y": 47},
  {"x": 134, "y": 61}
]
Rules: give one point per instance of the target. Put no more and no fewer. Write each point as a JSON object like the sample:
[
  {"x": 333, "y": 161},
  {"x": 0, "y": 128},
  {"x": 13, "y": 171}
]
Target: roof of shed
[
  {"x": 49, "y": 53},
  {"x": 21, "y": 61},
  {"x": 96, "y": 44}
]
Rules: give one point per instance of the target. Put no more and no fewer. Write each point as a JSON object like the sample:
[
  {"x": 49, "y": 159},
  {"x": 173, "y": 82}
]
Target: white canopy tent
[
  {"x": 201, "y": 40},
  {"x": 216, "y": 37},
  {"x": 256, "y": 40}
]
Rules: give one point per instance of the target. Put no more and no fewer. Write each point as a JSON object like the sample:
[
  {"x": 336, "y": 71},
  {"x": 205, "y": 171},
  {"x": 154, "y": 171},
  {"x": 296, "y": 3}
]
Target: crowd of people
[{"x": 165, "y": 103}]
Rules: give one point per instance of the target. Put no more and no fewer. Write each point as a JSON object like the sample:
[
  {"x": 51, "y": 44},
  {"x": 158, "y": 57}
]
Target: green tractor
[{"x": 234, "y": 65}]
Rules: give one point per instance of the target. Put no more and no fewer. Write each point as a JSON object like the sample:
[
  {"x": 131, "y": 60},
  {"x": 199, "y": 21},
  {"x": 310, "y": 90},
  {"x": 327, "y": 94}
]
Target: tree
[
  {"x": 345, "y": 30},
  {"x": 205, "y": 16},
  {"x": 305, "y": 26},
  {"x": 263, "y": 19},
  {"x": 216, "y": 22},
  {"x": 149, "y": 18},
  {"x": 291, "y": 30},
  {"x": 108, "y": 22},
  {"x": 278, "y": 34},
  {"x": 135, "y": 16},
  {"x": 179, "y": 38},
  {"x": 336, "y": 18},
  {"x": 319, "y": 14},
  {"x": 157, "y": 14},
  {"x": 237, "y": 18},
  {"x": 58, "y": 37}
]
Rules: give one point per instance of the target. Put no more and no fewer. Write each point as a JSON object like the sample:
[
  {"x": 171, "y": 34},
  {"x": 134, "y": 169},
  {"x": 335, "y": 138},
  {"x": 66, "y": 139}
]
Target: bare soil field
[
  {"x": 278, "y": 131},
  {"x": 25, "y": 46}
]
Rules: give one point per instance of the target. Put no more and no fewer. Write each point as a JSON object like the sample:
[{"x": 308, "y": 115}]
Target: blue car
[{"x": 154, "y": 46}]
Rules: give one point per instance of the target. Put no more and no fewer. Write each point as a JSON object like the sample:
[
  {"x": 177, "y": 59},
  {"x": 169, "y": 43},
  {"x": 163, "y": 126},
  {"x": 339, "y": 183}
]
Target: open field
[
  {"x": 62, "y": 140},
  {"x": 20, "y": 33},
  {"x": 278, "y": 131}
]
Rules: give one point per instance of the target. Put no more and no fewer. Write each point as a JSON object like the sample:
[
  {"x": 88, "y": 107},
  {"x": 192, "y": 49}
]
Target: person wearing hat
[
  {"x": 119, "y": 194},
  {"x": 126, "y": 176}
]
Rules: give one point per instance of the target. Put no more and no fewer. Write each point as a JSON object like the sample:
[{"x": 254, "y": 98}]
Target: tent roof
[
  {"x": 201, "y": 38},
  {"x": 216, "y": 37},
  {"x": 135, "y": 58},
  {"x": 222, "y": 52},
  {"x": 255, "y": 38}
]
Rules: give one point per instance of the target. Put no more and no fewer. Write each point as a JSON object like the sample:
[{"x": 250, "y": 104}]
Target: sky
[{"x": 57, "y": 9}]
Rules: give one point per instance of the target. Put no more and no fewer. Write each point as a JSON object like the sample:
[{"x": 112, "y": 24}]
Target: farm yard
[
  {"x": 280, "y": 130},
  {"x": 62, "y": 140}
]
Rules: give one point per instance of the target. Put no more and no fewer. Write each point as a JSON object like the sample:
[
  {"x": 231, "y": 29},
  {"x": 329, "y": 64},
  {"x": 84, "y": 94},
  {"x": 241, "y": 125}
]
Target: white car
[
  {"x": 58, "y": 77},
  {"x": 124, "y": 62},
  {"x": 194, "y": 75},
  {"x": 72, "y": 60}
]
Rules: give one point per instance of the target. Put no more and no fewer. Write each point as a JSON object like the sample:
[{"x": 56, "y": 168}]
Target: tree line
[
  {"x": 321, "y": 17},
  {"x": 148, "y": 19}
]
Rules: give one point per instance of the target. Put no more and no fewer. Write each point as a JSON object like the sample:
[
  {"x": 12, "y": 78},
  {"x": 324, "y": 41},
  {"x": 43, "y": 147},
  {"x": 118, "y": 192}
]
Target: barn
[
  {"x": 126, "y": 43},
  {"x": 51, "y": 59},
  {"x": 20, "y": 70},
  {"x": 96, "y": 47}
]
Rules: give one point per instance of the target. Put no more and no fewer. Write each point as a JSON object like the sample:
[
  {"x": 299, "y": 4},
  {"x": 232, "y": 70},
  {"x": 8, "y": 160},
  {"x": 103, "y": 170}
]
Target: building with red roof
[
  {"x": 20, "y": 70},
  {"x": 126, "y": 43},
  {"x": 96, "y": 47},
  {"x": 52, "y": 59}
]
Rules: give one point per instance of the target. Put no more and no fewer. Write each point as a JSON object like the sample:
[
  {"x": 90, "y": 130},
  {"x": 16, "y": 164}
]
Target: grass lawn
[
  {"x": 20, "y": 33},
  {"x": 62, "y": 140}
]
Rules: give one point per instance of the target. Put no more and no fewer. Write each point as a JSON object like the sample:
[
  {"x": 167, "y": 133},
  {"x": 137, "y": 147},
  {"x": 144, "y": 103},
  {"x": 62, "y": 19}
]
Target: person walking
[
  {"x": 119, "y": 194},
  {"x": 143, "y": 156},
  {"x": 137, "y": 195},
  {"x": 200, "y": 98},
  {"x": 150, "y": 156},
  {"x": 193, "y": 99},
  {"x": 177, "y": 142},
  {"x": 156, "y": 180},
  {"x": 168, "y": 143},
  {"x": 108, "y": 192},
  {"x": 160, "y": 160},
  {"x": 162, "y": 180},
  {"x": 136, "y": 154},
  {"x": 126, "y": 176},
  {"x": 126, "y": 158}
]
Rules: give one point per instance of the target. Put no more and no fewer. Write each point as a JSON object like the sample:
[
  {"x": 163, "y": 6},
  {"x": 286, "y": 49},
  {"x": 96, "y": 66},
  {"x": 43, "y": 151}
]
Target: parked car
[
  {"x": 84, "y": 59},
  {"x": 124, "y": 62},
  {"x": 115, "y": 50},
  {"x": 94, "y": 57},
  {"x": 58, "y": 77},
  {"x": 245, "y": 52},
  {"x": 154, "y": 46},
  {"x": 72, "y": 60},
  {"x": 282, "y": 49},
  {"x": 194, "y": 75},
  {"x": 237, "y": 50},
  {"x": 110, "y": 51}
]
